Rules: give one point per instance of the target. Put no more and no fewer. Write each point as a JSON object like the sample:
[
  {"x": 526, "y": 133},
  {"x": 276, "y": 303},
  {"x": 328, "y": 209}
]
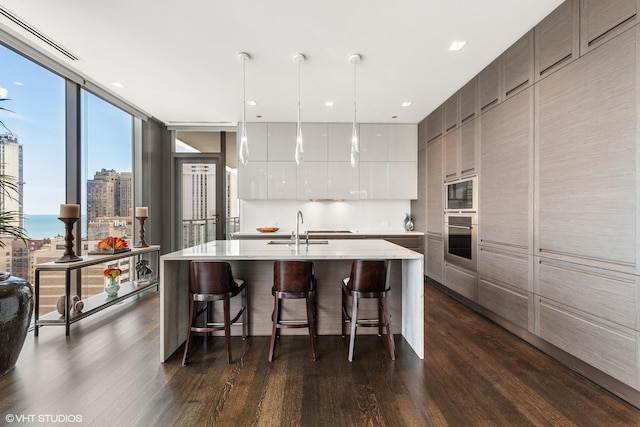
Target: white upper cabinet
[
  {"x": 339, "y": 142},
  {"x": 312, "y": 180},
  {"x": 402, "y": 143},
  {"x": 282, "y": 180},
  {"x": 281, "y": 142},
  {"x": 403, "y": 183},
  {"x": 387, "y": 166},
  {"x": 314, "y": 136},
  {"x": 343, "y": 181},
  {"x": 374, "y": 180},
  {"x": 253, "y": 180},
  {"x": 256, "y": 139},
  {"x": 373, "y": 143}
]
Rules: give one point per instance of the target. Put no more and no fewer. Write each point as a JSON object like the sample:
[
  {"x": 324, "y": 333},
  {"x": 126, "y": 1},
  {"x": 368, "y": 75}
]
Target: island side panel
[
  {"x": 413, "y": 304},
  {"x": 174, "y": 306}
]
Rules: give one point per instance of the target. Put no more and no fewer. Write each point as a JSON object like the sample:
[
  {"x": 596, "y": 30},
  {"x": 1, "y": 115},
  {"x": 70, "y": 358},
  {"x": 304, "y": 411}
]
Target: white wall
[{"x": 360, "y": 215}]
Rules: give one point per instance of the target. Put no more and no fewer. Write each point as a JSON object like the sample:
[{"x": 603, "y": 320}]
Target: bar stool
[
  {"x": 211, "y": 281},
  {"x": 368, "y": 279},
  {"x": 293, "y": 280}
]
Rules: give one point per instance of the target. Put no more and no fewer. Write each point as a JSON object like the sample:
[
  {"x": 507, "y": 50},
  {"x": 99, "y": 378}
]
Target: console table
[{"x": 94, "y": 303}]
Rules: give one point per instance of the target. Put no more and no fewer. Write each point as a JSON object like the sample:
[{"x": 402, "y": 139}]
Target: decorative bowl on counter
[{"x": 268, "y": 229}]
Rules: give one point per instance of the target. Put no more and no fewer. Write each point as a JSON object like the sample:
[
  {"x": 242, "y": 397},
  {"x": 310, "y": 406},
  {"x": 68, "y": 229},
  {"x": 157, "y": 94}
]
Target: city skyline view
[{"x": 35, "y": 98}]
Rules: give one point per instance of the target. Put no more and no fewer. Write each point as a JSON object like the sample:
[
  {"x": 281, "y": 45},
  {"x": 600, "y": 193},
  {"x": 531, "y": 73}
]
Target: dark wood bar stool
[
  {"x": 293, "y": 279},
  {"x": 368, "y": 279},
  {"x": 211, "y": 281}
]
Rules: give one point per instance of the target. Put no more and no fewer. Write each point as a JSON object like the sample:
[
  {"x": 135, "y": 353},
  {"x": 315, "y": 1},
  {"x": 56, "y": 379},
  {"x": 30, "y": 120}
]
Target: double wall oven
[{"x": 461, "y": 223}]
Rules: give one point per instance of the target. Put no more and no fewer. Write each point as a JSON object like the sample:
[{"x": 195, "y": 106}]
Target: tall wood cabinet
[{"x": 551, "y": 127}]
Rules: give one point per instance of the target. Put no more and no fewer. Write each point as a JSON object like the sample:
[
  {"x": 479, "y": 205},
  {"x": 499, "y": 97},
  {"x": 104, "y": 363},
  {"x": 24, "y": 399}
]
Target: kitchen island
[{"x": 252, "y": 261}]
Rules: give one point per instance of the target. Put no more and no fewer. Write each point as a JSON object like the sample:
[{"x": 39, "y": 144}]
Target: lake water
[{"x": 43, "y": 226}]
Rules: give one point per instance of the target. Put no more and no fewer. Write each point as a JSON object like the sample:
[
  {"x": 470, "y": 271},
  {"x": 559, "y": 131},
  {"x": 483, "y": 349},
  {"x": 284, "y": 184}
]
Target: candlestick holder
[
  {"x": 69, "y": 255},
  {"x": 141, "y": 242}
]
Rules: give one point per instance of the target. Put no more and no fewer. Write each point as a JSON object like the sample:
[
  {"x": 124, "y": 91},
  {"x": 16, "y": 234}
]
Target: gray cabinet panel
[
  {"x": 435, "y": 258},
  {"x": 468, "y": 144},
  {"x": 517, "y": 65},
  {"x": 461, "y": 281},
  {"x": 451, "y": 155},
  {"x": 506, "y": 135},
  {"x": 587, "y": 156},
  {"x": 489, "y": 85},
  {"x": 612, "y": 350},
  {"x": 602, "y": 20},
  {"x": 602, "y": 293},
  {"x": 557, "y": 38},
  {"x": 451, "y": 113},
  {"x": 469, "y": 101},
  {"x": 510, "y": 304},
  {"x": 435, "y": 121},
  {"x": 507, "y": 267},
  {"x": 435, "y": 188}
]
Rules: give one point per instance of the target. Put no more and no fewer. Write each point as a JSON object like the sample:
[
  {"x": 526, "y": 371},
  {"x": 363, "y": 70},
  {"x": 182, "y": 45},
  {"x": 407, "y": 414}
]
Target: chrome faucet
[{"x": 299, "y": 219}]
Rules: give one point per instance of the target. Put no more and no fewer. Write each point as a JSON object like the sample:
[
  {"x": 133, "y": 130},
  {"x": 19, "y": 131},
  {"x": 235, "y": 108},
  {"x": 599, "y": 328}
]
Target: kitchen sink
[{"x": 302, "y": 242}]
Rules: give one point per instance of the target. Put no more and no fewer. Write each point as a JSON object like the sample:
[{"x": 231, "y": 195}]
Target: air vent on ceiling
[{"x": 10, "y": 16}]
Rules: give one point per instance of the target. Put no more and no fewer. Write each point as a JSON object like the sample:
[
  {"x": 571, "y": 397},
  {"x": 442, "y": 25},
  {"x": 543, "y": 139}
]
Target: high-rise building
[
  {"x": 11, "y": 165},
  {"x": 109, "y": 195}
]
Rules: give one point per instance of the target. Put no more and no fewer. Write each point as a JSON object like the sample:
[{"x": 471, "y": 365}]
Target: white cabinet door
[
  {"x": 343, "y": 181},
  {"x": 402, "y": 143},
  {"x": 282, "y": 180},
  {"x": 312, "y": 180},
  {"x": 403, "y": 180},
  {"x": 256, "y": 140},
  {"x": 314, "y": 137},
  {"x": 374, "y": 180},
  {"x": 339, "y": 142},
  {"x": 373, "y": 143},
  {"x": 252, "y": 180},
  {"x": 282, "y": 142}
]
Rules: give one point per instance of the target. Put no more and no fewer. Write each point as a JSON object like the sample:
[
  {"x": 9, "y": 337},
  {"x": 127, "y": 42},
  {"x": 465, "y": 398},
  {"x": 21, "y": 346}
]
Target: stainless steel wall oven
[
  {"x": 461, "y": 234},
  {"x": 461, "y": 222}
]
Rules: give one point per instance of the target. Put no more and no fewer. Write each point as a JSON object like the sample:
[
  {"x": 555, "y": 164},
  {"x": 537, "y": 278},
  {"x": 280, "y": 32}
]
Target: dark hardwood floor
[{"x": 474, "y": 374}]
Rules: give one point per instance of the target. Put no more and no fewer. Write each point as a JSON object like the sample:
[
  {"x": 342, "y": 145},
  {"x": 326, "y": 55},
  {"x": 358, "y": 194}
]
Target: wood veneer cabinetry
[
  {"x": 517, "y": 66},
  {"x": 489, "y": 85},
  {"x": 435, "y": 211},
  {"x": 602, "y": 20},
  {"x": 587, "y": 167},
  {"x": 557, "y": 38},
  {"x": 506, "y": 141}
]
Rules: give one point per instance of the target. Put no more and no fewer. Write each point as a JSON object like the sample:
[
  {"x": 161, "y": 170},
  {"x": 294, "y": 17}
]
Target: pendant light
[
  {"x": 299, "y": 58},
  {"x": 355, "y": 146},
  {"x": 243, "y": 152}
]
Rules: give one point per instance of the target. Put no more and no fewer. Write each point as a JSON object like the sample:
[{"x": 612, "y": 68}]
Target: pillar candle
[
  {"x": 69, "y": 211},
  {"x": 142, "y": 212}
]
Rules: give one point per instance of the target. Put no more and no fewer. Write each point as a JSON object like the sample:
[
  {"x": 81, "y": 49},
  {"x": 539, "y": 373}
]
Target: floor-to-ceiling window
[
  {"x": 107, "y": 183},
  {"x": 33, "y": 144}
]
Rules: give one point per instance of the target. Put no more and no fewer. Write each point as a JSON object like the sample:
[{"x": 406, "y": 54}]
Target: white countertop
[
  {"x": 286, "y": 233},
  {"x": 262, "y": 250}
]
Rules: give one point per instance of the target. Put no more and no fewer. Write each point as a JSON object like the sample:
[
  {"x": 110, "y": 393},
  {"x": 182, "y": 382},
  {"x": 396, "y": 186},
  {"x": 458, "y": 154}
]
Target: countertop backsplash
[{"x": 360, "y": 215}]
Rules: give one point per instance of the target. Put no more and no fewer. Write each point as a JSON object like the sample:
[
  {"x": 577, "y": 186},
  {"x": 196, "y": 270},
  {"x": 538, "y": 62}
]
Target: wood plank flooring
[{"x": 474, "y": 374}]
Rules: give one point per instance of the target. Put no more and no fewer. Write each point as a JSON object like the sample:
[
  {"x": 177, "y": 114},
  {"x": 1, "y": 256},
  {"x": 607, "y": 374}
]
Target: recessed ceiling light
[
  {"x": 252, "y": 103},
  {"x": 406, "y": 103},
  {"x": 457, "y": 45},
  {"x": 328, "y": 104},
  {"x": 118, "y": 85}
]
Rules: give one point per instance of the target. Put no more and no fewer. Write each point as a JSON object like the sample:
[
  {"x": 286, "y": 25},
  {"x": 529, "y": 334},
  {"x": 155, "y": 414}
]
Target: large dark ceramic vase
[{"x": 16, "y": 308}]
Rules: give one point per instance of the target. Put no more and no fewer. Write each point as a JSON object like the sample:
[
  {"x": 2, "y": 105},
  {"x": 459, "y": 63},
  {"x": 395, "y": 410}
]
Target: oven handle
[{"x": 460, "y": 226}]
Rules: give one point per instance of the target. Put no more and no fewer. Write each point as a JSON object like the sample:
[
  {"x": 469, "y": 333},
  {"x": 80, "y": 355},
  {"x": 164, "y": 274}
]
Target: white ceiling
[{"x": 178, "y": 59}]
